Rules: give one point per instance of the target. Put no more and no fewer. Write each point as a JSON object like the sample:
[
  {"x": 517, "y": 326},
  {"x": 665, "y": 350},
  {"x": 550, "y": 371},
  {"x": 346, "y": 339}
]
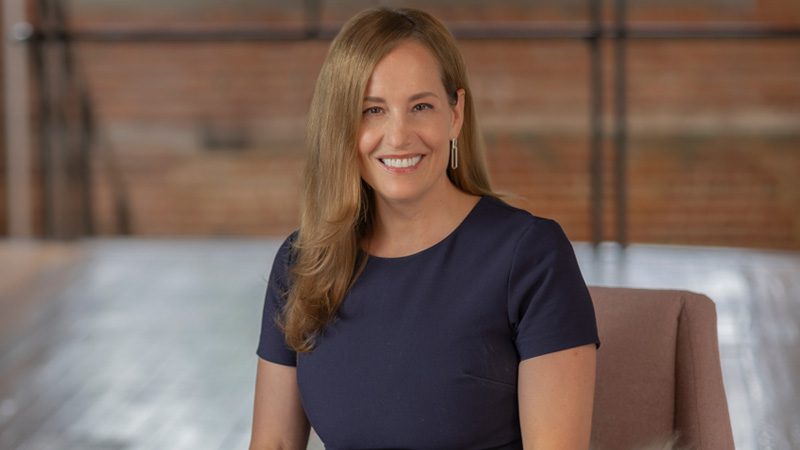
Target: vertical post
[
  {"x": 75, "y": 203},
  {"x": 596, "y": 120},
  {"x": 3, "y": 177},
  {"x": 17, "y": 119},
  {"x": 43, "y": 51},
  {"x": 64, "y": 211},
  {"x": 85, "y": 142},
  {"x": 620, "y": 123}
]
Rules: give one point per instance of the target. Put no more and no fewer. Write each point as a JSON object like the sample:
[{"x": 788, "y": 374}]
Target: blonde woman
[{"x": 413, "y": 308}]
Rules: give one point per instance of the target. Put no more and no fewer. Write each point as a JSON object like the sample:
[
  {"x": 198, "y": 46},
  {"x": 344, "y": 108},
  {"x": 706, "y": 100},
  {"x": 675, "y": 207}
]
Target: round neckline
[{"x": 434, "y": 246}]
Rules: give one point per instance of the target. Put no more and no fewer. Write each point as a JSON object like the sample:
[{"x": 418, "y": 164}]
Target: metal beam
[{"x": 463, "y": 31}]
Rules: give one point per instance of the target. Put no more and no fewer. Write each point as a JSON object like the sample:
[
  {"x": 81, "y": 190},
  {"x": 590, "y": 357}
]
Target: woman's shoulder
[
  {"x": 511, "y": 220},
  {"x": 285, "y": 256},
  {"x": 289, "y": 241},
  {"x": 286, "y": 249},
  {"x": 505, "y": 231}
]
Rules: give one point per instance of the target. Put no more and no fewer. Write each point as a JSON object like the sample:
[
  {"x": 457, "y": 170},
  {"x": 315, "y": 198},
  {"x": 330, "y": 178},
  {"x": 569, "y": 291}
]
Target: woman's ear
[{"x": 458, "y": 113}]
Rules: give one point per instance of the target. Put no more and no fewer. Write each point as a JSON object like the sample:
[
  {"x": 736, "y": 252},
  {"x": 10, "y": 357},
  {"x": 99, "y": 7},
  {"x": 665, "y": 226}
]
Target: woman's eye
[
  {"x": 373, "y": 110},
  {"x": 422, "y": 106}
]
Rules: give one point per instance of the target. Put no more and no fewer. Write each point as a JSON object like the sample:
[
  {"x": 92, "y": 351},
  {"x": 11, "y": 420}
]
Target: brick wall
[{"x": 206, "y": 139}]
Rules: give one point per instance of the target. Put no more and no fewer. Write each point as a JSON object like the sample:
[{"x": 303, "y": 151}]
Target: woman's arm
[
  {"x": 279, "y": 422},
  {"x": 556, "y": 394}
]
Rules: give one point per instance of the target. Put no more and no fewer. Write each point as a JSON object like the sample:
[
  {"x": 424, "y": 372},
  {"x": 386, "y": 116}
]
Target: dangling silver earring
[{"x": 454, "y": 154}]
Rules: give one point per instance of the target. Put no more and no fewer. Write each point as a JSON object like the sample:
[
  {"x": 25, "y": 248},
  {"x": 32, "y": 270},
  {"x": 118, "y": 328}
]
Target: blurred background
[
  {"x": 152, "y": 155},
  {"x": 187, "y": 118}
]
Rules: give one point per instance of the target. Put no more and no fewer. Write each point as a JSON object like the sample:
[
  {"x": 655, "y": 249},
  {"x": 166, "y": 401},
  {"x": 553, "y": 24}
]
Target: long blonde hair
[{"x": 338, "y": 207}]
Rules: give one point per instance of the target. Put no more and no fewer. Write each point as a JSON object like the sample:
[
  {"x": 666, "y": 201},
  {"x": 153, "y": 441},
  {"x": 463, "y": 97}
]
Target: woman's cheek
[{"x": 367, "y": 139}]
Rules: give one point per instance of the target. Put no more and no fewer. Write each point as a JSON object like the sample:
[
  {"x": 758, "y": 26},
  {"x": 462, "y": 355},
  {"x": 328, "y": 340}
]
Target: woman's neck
[{"x": 405, "y": 228}]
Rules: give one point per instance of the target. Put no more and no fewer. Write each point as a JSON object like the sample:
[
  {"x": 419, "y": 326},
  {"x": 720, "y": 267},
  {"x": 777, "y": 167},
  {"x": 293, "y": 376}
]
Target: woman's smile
[{"x": 401, "y": 164}]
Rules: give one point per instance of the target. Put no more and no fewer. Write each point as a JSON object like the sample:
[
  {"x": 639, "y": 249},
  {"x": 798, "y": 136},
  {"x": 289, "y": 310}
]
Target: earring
[{"x": 453, "y": 154}]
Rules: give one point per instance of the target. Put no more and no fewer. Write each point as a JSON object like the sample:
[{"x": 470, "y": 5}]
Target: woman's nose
[{"x": 398, "y": 132}]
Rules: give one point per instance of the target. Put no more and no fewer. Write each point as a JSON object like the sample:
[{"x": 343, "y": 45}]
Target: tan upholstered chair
[{"x": 658, "y": 371}]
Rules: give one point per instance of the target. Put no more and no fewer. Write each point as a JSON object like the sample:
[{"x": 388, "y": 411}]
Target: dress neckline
[{"x": 433, "y": 247}]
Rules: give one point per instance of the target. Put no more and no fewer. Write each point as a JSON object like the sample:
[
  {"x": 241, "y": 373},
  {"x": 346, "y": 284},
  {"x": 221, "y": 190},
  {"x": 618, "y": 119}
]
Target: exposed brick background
[{"x": 714, "y": 126}]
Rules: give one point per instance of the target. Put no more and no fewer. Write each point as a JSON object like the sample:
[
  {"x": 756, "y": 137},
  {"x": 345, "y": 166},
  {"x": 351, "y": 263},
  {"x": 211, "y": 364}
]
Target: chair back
[{"x": 658, "y": 371}]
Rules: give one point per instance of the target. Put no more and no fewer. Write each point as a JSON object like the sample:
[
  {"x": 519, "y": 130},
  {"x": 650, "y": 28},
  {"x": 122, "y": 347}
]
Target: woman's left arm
[{"x": 556, "y": 396}]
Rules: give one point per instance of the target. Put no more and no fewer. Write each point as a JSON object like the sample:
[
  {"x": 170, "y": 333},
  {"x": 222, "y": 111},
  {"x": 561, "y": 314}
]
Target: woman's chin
[
  {"x": 399, "y": 195},
  {"x": 409, "y": 193}
]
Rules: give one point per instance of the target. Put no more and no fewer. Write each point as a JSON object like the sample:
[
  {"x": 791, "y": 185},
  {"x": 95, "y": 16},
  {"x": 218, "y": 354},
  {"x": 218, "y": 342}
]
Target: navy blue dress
[{"x": 424, "y": 351}]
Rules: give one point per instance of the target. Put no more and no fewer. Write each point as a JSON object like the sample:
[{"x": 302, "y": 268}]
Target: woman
[{"x": 414, "y": 309}]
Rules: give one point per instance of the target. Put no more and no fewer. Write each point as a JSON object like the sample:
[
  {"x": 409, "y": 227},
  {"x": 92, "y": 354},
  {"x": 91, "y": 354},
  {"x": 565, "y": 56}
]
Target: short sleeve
[
  {"x": 272, "y": 344},
  {"x": 549, "y": 305}
]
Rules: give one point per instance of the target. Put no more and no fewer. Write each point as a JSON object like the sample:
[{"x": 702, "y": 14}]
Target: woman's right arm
[{"x": 279, "y": 422}]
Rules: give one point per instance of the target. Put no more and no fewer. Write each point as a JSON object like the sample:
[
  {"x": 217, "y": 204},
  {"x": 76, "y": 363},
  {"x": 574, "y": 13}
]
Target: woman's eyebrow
[
  {"x": 411, "y": 99},
  {"x": 422, "y": 95}
]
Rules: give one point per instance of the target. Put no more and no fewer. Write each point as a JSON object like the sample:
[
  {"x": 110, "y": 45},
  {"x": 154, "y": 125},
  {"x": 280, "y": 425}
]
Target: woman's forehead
[{"x": 410, "y": 66}]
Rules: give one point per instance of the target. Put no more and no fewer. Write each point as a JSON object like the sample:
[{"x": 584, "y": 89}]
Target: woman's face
[{"x": 406, "y": 125}]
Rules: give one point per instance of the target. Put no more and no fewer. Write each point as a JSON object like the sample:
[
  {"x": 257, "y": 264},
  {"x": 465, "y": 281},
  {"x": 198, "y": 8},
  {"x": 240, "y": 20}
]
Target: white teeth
[{"x": 401, "y": 163}]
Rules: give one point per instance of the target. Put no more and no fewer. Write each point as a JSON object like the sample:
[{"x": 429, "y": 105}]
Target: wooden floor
[{"x": 150, "y": 344}]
